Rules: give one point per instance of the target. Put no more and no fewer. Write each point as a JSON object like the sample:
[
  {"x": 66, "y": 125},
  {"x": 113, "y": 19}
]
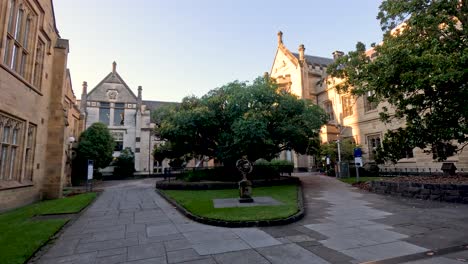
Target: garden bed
[{"x": 198, "y": 205}]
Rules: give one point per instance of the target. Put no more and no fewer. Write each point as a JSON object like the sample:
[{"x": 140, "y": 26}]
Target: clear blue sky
[{"x": 183, "y": 47}]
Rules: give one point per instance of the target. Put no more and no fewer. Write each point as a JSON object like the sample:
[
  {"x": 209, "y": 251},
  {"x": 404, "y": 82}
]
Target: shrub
[
  {"x": 96, "y": 143},
  {"x": 124, "y": 164}
]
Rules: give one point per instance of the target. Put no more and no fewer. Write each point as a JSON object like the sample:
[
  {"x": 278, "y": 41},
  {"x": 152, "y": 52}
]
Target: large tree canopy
[
  {"x": 239, "y": 119},
  {"x": 421, "y": 70}
]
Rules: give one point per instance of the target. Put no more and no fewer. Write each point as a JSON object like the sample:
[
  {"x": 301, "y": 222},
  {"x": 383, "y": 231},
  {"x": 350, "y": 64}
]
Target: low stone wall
[
  {"x": 209, "y": 185},
  {"x": 454, "y": 193}
]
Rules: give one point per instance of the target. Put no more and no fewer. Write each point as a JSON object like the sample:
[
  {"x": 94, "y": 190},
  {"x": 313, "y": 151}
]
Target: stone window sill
[
  {"x": 20, "y": 78},
  {"x": 8, "y": 185}
]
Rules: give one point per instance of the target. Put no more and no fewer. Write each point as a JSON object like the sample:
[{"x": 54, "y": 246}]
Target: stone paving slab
[
  {"x": 436, "y": 260},
  {"x": 290, "y": 254},
  {"x": 256, "y": 238},
  {"x": 131, "y": 223},
  {"x": 241, "y": 257},
  {"x": 220, "y": 246},
  {"x": 234, "y": 202}
]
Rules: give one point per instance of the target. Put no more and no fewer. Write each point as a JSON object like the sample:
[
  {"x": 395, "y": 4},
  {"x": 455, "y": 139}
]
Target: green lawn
[
  {"x": 20, "y": 236},
  {"x": 352, "y": 180},
  {"x": 201, "y": 203}
]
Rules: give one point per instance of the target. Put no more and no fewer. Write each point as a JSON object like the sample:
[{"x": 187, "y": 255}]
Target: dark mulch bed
[
  {"x": 430, "y": 179},
  {"x": 362, "y": 185}
]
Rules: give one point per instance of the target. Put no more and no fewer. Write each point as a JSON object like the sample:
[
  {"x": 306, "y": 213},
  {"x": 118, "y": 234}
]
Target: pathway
[{"x": 131, "y": 223}]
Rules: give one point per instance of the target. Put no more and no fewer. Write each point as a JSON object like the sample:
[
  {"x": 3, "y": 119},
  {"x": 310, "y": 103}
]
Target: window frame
[
  {"x": 21, "y": 30},
  {"x": 347, "y": 105},
  {"x": 328, "y": 105},
  {"x": 118, "y": 137},
  {"x": 11, "y": 148},
  {"x": 368, "y": 105},
  {"x": 372, "y": 150}
]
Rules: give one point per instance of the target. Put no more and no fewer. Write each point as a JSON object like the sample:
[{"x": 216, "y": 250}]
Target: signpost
[
  {"x": 90, "y": 174},
  {"x": 357, "y": 161}
]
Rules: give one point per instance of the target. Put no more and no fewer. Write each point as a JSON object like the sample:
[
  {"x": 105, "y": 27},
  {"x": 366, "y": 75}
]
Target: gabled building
[
  {"x": 33, "y": 110},
  {"x": 304, "y": 75},
  {"x": 355, "y": 118},
  {"x": 113, "y": 103}
]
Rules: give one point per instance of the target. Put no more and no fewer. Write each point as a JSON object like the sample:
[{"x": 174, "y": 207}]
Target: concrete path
[{"x": 130, "y": 223}]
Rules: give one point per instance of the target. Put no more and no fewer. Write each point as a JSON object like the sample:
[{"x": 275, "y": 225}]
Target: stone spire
[
  {"x": 114, "y": 67},
  {"x": 301, "y": 53},
  {"x": 84, "y": 99},
  {"x": 280, "y": 37},
  {"x": 139, "y": 102}
]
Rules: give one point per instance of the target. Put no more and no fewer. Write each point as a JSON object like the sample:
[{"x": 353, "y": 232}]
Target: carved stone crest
[{"x": 112, "y": 94}]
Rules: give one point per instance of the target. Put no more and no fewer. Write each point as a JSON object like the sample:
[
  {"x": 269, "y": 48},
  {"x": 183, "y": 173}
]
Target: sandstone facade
[
  {"x": 33, "y": 115},
  {"x": 350, "y": 117}
]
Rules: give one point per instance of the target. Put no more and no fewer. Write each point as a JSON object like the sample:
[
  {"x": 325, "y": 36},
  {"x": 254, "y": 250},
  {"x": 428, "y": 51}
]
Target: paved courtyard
[{"x": 131, "y": 223}]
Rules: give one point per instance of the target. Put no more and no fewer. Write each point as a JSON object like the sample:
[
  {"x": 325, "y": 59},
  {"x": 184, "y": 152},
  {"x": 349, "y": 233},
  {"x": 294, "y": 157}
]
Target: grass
[
  {"x": 21, "y": 236},
  {"x": 201, "y": 203},
  {"x": 352, "y": 180}
]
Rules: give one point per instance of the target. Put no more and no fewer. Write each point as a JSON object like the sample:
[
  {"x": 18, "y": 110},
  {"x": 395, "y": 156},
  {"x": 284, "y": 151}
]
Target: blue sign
[{"x": 357, "y": 152}]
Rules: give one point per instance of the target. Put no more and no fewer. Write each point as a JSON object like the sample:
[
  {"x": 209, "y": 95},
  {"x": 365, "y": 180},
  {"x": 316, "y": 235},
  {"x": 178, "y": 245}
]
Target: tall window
[
  {"x": 328, "y": 107},
  {"x": 104, "y": 113},
  {"x": 373, "y": 143},
  {"x": 119, "y": 114},
  {"x": 10, "y": 146},
  {"x": 21, "y": 19},
  {"x": 347, "y": 103},
  {"x": 31, "y": 142},
  {"x": 39, "y": 63},
  {"x": 369, "y": 104},
  {"x": 118, "y": 138}
]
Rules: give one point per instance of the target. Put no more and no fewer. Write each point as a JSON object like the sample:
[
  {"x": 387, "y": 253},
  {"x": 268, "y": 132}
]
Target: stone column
[{"x": 56, "y": 139}]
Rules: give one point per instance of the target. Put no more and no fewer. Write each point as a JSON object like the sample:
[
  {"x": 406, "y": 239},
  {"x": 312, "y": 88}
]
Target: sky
[{"x": 177, "y": 48}]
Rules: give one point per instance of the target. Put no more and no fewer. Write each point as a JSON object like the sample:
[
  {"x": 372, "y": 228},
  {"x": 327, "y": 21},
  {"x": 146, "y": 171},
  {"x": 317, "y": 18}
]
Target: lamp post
[
  {"x": 338, "y": 144},
  {"x": 71, "y": 140}
]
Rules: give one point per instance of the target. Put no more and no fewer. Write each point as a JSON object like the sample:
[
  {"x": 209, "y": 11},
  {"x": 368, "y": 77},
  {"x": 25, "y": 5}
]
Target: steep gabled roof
[
  {"x": 315, "y": 60},
  {"x": 113, "y": 78}
]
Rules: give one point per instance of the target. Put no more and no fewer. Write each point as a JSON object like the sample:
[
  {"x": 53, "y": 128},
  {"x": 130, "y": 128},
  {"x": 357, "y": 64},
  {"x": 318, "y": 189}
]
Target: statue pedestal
[{"x": 245, "y": 191}]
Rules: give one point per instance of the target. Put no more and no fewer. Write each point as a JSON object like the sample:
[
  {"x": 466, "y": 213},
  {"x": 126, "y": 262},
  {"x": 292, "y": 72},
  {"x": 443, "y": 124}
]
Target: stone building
[
  {"x": 350, "y": 117},
  {"x": 127, "y": 116},
  {"x": 33, "y": 114},
  {"x": 75, "y": 125}
]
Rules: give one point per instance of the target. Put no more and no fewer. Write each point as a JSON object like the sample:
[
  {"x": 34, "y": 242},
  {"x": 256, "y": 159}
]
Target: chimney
[
  {"x": 266, "y": 76},
  {"x": 280, "y": 38},
  {"x": 114, "y": 67},
  {"x": 337, "y": 54},
  {"x": 301, "y": 53},
  {"x": 139, "y": 98},
  {"x": 84, "y": 99}
]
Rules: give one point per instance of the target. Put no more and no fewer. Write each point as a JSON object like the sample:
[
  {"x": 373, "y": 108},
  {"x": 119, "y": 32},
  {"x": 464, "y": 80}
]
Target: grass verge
[
  {"x": 21, "y": 236},
  {"x": 201, "y": 203}
]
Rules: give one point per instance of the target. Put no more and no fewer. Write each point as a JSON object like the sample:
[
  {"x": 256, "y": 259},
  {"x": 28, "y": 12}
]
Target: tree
[
  {"x": 420, "y": 69},
  {"x": 256, "y": 120},
  {"x": 347, "y": 147},
  {"x": 96, "y": 143},
  {"x": 125, "y": 163}
]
